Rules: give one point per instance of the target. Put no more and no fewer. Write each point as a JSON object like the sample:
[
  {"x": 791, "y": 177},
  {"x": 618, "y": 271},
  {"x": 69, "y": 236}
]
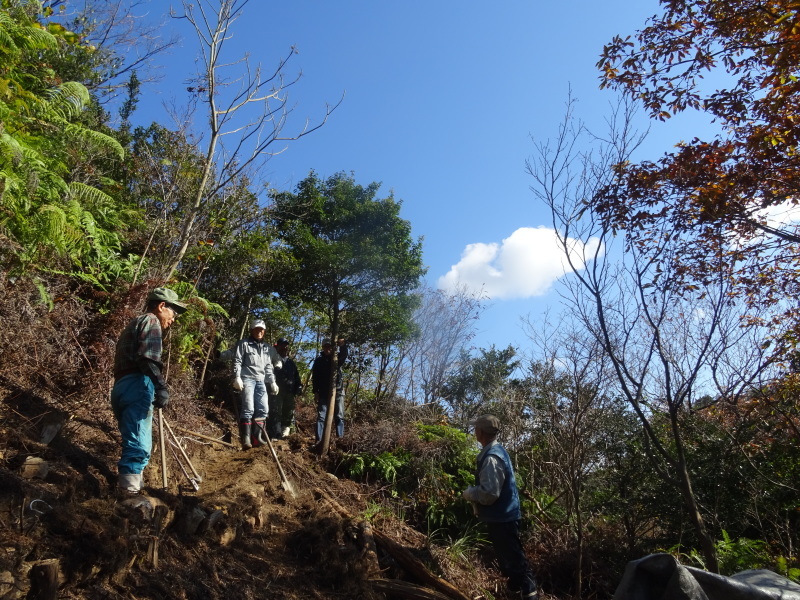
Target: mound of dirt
[
  {"x": 232, "y": 530},
  {"x": 243, "y": 533}
]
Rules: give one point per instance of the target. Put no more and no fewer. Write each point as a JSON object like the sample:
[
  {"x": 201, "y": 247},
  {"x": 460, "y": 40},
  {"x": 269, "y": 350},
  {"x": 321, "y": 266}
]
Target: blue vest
[{"x": 506, "y": 508}]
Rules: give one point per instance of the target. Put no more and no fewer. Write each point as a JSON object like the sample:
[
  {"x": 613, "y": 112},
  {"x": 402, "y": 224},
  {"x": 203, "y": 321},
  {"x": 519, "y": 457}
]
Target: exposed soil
[{"x": 240, "y": 535}]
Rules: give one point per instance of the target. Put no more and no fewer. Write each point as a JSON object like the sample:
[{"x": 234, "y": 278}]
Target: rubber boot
[
  {"x": 244, "y": 434},
  {"x": 129, "y": 484},
  {"x": 257, "y": 436}
]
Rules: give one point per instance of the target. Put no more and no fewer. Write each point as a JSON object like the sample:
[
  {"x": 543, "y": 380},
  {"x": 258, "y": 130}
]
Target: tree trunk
[
  {"x": 326, "y": 433},
  {"x": 706, "y": 541}
]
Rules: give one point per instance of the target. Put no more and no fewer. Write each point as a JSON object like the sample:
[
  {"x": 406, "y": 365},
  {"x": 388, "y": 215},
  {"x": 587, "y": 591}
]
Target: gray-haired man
[{"x": 496, "y": 502}]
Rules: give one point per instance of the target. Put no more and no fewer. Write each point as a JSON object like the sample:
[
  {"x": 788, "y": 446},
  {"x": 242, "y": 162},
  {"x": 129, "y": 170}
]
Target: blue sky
[{"x": 441, "y": 101}]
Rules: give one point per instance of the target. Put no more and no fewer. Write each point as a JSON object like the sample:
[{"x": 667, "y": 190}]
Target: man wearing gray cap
[
  {"x": 139, "y": 384},
  {"x": 252, "y": 373},
  {"x": 496, "y": 502}
]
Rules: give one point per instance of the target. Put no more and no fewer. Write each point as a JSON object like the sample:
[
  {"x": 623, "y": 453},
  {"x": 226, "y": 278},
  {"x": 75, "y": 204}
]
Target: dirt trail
[{"x": 240, "y": 535}]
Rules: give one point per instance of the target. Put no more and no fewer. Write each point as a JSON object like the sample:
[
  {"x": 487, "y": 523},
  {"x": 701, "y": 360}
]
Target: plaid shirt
[{"x": 139, "y": 345}]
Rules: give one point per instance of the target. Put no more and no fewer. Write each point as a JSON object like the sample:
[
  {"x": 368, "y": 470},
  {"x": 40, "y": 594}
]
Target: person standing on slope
[
  {"x": 281, "y": 405},
  {"x": 139, "y": 384},
  {"x": 252, "y": 373},
  {"x": 495, "y": 500},
  {"x": 321, "y": 386}
]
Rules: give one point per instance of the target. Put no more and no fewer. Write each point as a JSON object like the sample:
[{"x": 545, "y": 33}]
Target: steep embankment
[{"x": 240, "y": 535}]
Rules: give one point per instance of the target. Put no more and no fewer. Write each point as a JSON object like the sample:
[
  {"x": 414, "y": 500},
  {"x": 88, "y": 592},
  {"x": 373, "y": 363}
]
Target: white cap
[{"x": 258, "y": 323}]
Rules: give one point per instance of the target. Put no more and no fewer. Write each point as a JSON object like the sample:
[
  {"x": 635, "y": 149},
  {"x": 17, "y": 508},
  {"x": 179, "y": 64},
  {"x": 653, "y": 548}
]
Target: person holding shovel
[
  {"x": 139, "y": 385},
  {"x": 252, "y": 373}
]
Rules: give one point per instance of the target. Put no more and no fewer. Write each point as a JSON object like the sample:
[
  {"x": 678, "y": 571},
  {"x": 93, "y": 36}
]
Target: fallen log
[
  {"x": 416, "y": 568},
  {"x": 370, "y": 550},
  {"x": 403, "y": 556},
  {"x": 397, "y": 588},
  {"x": 338, "y": 508}
]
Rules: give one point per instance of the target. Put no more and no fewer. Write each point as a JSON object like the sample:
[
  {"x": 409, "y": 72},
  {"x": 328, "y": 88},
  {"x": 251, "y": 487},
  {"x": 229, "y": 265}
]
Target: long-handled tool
[
  {"x": 206, "y": 437},
  {"x": 163, "y": 449},
  {"x": 197, "y": 478},
  {"x": 191, "y": 480},
  {"x": 285, "y": 483}
]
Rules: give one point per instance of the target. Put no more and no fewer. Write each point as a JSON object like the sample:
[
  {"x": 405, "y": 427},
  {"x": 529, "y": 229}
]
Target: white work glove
[
  {"x": 238, "y": 384},
  {"x": 274, "y": 389}
]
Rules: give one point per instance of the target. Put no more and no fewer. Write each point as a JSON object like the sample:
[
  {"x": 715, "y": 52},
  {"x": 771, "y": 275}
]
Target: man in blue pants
[
  {"x": 321, "y": 386},
  {"x": 496, "y": 503},
  {"x": 139, "y": 384}
]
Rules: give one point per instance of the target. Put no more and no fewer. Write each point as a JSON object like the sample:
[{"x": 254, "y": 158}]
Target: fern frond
[
  {"x": 68, "y": 99},
  {"x": 88, "y": 194},
  {"x": 96, "y": 139},
  {"x": 44, "y": 295},
  {"x": 33, "y": 38},
  {"x": 7, "y": 45},
  {"x": 51, "y": 221}
]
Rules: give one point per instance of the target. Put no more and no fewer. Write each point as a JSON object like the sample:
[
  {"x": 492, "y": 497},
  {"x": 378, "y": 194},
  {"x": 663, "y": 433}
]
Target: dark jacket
[
  {"x": 321, "y": 373},
  {"x": 288, "y": 377}
]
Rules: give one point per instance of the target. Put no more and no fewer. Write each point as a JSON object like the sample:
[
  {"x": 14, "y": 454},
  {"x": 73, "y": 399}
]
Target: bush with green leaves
[
  {"x": 429, "y": 477},
  {"x": 57, "y": 218},
  {"x": 734, "y": 555}
]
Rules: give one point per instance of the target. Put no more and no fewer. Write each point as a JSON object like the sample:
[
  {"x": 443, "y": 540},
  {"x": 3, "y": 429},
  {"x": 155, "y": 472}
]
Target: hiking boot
[
  {"x": 129, "y": 484},
  {"x": 122, "y": 493}
]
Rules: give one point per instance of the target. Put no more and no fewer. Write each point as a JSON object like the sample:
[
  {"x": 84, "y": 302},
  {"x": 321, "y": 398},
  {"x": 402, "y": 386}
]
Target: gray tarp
[{"x": 662, "y": 577}]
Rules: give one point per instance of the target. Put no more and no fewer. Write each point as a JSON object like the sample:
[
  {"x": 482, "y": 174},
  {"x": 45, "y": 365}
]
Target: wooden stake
[{"x": 205, "y": 437}]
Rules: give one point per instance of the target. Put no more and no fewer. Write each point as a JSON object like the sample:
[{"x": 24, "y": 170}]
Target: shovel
[{"x": 285, "y": 483}]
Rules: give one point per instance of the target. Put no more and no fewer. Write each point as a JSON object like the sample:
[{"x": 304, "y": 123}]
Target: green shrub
[{"x": 429, "y": 480}]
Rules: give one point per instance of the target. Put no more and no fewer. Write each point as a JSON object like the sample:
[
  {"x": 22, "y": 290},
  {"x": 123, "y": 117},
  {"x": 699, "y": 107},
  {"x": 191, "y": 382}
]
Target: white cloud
[
  {"x": 523, "y": 265},
  {"x": 784, "y": 216},
  {"x": 781, "y": 215}
]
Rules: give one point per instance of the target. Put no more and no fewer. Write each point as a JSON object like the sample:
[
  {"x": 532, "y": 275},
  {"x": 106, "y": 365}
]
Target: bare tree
[
  {"x": 446, "y": 325},
  {"x": 667, "y": 346},
  {"x": 247, "y": 109},
  {"x": 124, "y": 36},
  {"x": 570, "y": 382}
]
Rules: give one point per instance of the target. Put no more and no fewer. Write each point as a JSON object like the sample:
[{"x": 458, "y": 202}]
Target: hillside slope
[{"x": 240, "y": 535}]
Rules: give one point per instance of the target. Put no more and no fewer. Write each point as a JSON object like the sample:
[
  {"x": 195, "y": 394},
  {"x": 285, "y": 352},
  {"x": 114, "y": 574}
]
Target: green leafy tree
[
  {"x": 348, "y": 252},
  {"x": 477, "y": 382},
  {"x": 58, "y": 218}
]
